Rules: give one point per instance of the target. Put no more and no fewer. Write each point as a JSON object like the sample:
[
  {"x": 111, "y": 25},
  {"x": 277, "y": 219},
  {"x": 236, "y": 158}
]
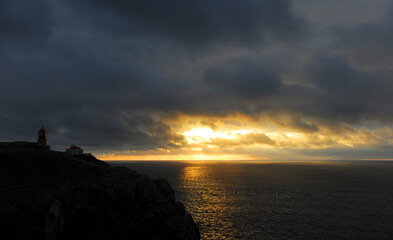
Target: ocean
[{"x": 288, "y": 200}]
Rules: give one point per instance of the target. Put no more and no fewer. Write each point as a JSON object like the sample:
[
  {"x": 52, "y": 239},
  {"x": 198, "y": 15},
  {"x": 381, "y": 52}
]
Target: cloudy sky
[{"x": 211, "y": 79}]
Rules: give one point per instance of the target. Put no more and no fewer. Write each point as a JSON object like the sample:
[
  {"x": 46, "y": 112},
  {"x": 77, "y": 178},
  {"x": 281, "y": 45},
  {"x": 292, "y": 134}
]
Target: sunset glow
[
  {"x": 237, "y": 138},
  {"x": 202, "y": 80},
  {"x": 197, "y": 119},
  {"x": 203, "y": 135},
  {"x": 179, "y": 157}
]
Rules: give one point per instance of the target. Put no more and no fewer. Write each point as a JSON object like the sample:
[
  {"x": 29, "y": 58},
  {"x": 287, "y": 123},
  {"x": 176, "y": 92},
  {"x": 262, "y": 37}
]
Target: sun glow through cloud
[
  {"x": 213, "y": 82},
  {"x": 200, "y": 135},
  {"x": 239, "y": 138}
]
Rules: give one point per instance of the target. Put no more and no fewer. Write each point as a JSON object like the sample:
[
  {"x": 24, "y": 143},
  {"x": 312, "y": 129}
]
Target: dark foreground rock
[{"x": 52, "y": 195}]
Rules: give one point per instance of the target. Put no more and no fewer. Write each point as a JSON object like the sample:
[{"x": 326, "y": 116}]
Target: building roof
[{"x": 73, "y": 147}]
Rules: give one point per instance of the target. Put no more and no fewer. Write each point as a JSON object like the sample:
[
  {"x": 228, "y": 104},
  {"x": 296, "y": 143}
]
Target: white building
[{"x": 74, "y": 150}]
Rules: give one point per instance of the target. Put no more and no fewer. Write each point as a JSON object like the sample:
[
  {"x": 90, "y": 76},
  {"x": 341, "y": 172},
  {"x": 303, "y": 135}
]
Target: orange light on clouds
[
  {"x": 239, "y": 138},
  {"x": 200, "y": 135},
  {"x": 178, "y": 157}
]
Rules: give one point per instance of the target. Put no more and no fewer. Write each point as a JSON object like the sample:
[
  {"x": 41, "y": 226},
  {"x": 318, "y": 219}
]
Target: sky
[{"x": 200, "y": 80}]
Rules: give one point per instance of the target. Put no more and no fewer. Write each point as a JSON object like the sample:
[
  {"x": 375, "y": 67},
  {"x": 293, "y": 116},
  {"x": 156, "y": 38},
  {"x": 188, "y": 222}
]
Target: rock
[
  {"x": 54, "y": 224},
  {"x": 52, "y": 195}
]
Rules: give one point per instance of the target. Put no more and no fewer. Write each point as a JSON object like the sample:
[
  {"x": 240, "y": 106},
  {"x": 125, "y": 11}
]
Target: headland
[{"x": 46, "y": 194}]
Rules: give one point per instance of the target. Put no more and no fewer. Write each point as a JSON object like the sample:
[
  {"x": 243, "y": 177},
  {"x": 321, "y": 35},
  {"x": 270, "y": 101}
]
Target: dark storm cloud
[
  {"x": 24, "y": 21},
  {"x": 343, "y": 92},
  {"x": 369, "y": 44},
  {"x": 346, "y": 93},
  {"x": 86, "y": 102},
  {"x": 199, "y": 23},
  {"x": 244, "y": 79},
  {"x": 332, "y": 90},
  {"x": 137, "y": 132},
  {"x": 93, "y": 72}
]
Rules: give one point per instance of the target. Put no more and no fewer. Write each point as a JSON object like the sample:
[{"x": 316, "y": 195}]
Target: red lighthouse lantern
[{"x": 42, "y": 138}]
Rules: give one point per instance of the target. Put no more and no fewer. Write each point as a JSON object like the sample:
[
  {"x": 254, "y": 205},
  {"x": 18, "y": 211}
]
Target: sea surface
[{"x": 302, "y": 200}]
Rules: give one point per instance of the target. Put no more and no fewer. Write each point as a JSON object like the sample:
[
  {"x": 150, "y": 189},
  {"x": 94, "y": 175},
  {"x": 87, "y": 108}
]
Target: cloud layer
[{"x": 112, "y": 74}]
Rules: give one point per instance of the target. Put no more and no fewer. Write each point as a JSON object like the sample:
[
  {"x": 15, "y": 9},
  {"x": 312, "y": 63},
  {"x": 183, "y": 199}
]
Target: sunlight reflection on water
[
  {"x": 283, "y": 201},
  {"x": 210, "y": 202}
]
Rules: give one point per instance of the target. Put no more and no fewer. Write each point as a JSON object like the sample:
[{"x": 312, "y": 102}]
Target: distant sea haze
[{"x": 339, "y": 200}]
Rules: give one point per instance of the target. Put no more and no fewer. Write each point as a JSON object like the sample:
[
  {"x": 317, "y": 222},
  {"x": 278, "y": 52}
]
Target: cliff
[{"x": 52, "y": 195}]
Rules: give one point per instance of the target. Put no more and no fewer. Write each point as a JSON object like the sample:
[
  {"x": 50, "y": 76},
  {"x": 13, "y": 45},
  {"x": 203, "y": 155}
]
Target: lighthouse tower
[{"x": 42, "y": 138}]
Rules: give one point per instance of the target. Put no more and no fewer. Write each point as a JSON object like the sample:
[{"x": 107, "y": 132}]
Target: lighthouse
[
  {"x": 40, "y": 144},
  {"x": 42, "y": 138}
]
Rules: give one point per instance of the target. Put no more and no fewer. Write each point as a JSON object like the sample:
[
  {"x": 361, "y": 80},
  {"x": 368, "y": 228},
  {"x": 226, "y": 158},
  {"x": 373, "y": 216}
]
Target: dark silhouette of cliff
[{"x": 52, "y": 195}]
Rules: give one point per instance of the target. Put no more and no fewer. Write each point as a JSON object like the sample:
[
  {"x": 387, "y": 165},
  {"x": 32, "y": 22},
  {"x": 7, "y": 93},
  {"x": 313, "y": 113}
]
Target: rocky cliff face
[{"x": 52, "y": 195}]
